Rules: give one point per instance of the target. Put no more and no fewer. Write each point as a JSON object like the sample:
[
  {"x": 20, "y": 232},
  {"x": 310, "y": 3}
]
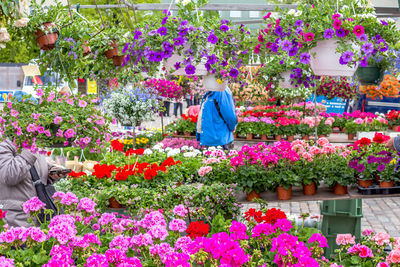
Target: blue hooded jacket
[{"x": 217, "y": 131}]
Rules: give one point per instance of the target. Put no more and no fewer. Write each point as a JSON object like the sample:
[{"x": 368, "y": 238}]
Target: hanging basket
[
  {"x": 211, "y": 84},
  {"x": 370, "y": 75},
  {"x": 110, "y": 53},
  {"x": 118, "y": 60},
  {"x": 171, "y": 61},
  {"x": 326, "y": 60},
  {"x": 285, "y": 81},
  {"x": 47, "y": 38}
]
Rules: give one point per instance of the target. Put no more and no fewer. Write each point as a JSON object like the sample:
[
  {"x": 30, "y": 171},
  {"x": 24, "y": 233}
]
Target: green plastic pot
[{"x": 370, "y": 75}]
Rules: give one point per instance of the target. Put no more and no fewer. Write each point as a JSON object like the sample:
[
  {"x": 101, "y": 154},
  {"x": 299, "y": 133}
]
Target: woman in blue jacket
[{"x": 217, "y": 119}]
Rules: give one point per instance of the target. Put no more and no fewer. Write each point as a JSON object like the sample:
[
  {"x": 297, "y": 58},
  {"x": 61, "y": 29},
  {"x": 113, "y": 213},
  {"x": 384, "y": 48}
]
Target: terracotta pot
[
  {"x": 377, "y": 178},
  {"x": 187, "y": 134},
  {"x": 365, "y": 183},
  {"x": 252, "y": 195},
  {"x": 110, "y": 53},
  {"x": 396, "y": 128},
  {"x": 114, "y": 203},
  {"x": 284, "y": 194},
  {"x": 249, "y": 136},
  {"x": 386, "y": 184},
  {"x": 278, "y": 137},
  {"x": 86, "y": 49},
  {"x": 290, "y": 138},
  {"x": 47, "y": 25},
  {"x": 47, "y": 41},
  {"x": 264, "y": 137},
  {"x": 306, "y": 137},
  {"x": 340, "y": 189},
  {"x": 336, "y": 129},
  {"x": 310, "y": 189},
  {"x": 118, "y": 60},
  {"x": 350, "y": 136},
  {"x": 235, "y": 135}
]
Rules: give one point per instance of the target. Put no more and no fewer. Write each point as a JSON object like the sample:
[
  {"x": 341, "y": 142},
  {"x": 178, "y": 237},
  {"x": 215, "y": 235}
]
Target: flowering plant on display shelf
[
  {"x": 131, "y": 106},
  {"x": 55, "y": 119},
  {"x": 166, "y": 89},
  {"x": 332, "y": 87}
]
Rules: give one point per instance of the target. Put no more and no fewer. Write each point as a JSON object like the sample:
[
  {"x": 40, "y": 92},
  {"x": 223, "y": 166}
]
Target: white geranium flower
[
  {"x": 168, "y": 149},
  {"x": 211, "y": 148},
  {"x": 173, "y": 152},
  {"x": 291, "y": 12},
  {"x": 4, "y": 35},
  {"x": 184, "y": 148},
  {"x": 189, "y": 154},
  {"x": 148, "y": 151}
]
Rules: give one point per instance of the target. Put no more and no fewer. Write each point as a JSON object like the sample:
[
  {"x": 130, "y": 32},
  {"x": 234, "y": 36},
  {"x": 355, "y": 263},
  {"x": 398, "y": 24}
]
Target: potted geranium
[
  {"x": 309, "y": 179},
  {"x": 252, "y": 179},
  {"x": 283, "y": 179},
  {"x": 351, "y": 129},
  {"x": 337, "y": 174},
  {"x": 55, "y": 120}
]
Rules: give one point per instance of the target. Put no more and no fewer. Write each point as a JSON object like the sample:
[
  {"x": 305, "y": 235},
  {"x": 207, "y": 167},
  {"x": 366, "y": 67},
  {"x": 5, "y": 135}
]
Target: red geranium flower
[
  {"x": 362, "y": 142},
  {"x": 253, "y": 214},
  {"x": 197, "y": 229},
  {"x": 102, "y": 171},
  {"x": 139, "y": 151},
  {"x": 77, "y": 174},
  {"x": 2, "y": 214},
  {"x": 272, "y": 215},
  {"x": 117, "y": 145},
  {"x": 380, "y": 138}
]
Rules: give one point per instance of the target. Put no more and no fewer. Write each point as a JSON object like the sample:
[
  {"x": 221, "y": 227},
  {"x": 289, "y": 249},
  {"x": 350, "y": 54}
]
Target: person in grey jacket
[
  {"x": 394, "y": 143},
  {"x": 16, "y": 186}
]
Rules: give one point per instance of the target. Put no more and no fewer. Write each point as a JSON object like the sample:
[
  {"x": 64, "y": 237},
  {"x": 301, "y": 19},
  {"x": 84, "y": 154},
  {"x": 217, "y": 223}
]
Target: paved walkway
[{"x": 380, "y": 214}]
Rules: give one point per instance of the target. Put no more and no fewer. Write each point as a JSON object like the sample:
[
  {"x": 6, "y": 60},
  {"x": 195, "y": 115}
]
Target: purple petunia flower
[
  {"x": 363, "y": 37},
  {"x": 346, "y": 57},
  {"x": 274, "y": 47},
  {"x": 137, "y": 35},
  {"x": 183, "y": 32},
  {"x": 305, "y": 58},
  {"x": 364, "y": 62},
  {"x": 384, "y": 23},
  {"x": 177, "y": 65},
  {"x": 293, "y": 51},
  {"x": 278, "y": 30},
  {"x": 212, "y": 38},
  {"x": 152, "y": 33},
  {"x": 179, "y": 41},
  {"x": 168, "y": 46},
  {"x": 340, "y": 33},
  {"x": 234, "y": 73},
  {"x": 164, "y": 20},
  {"x": 212, "y": 59},
  {"x": 328, "y": 34},
  {"x": 286, "y": 45},
  {"x": 367, "y": 48},
  {"x": 190, "y": 69},
  {"x": 224, "y": 28},
  {"x": 360, "y": 168},
  {"x": 162, "y": 31},
  {"x": 298, "y": 23}
]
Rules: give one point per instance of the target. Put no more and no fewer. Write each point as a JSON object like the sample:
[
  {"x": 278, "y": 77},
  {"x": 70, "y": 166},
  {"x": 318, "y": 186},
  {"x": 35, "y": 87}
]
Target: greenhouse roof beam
[{"x": 381, "y": 11}]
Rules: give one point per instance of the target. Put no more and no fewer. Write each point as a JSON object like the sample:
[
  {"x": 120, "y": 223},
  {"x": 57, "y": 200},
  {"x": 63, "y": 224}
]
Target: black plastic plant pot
[{"x": 370, "y": 75}]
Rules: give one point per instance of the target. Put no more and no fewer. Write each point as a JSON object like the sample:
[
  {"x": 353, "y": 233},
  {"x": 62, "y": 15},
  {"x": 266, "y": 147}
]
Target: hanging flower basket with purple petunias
[{"x": 338, "y": 35}]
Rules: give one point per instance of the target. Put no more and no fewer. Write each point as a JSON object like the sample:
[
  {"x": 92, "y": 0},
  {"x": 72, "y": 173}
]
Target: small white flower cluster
[
  {"x": 295, "y": 13},
  {"x": 183, "y": 2}
]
